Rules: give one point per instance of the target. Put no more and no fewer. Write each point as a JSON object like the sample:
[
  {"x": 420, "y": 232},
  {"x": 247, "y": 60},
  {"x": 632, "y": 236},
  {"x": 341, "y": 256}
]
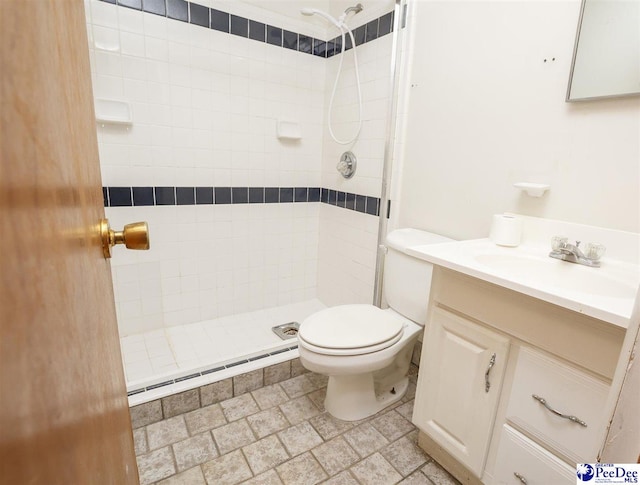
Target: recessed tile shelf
[
  {"x": 112, "y": 111},
  {"x": 148, "y": 196},
  {"x": 201, "y": 16},
  {"x": 288, "y": 130}
]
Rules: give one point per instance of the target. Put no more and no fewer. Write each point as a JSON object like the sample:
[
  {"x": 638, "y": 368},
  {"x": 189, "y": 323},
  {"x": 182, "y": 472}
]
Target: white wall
[{"x": 484, "y": 110}]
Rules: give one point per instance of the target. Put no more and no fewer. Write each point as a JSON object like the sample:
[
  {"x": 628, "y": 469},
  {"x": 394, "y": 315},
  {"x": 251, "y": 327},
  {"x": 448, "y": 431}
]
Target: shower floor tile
[{"x": 176, "y": 351}]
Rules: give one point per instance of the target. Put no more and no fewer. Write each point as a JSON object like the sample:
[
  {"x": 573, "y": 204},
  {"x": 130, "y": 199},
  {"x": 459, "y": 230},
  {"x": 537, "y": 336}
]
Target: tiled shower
[{"x": 247, "y": 230}]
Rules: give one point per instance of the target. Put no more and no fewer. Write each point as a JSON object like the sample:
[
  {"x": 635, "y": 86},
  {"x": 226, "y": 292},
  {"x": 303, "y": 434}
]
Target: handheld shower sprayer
[
  {"x": 344, "y": 29},
  {"x": 339, "y": 22},
  {"x": 314, "y": 11}
]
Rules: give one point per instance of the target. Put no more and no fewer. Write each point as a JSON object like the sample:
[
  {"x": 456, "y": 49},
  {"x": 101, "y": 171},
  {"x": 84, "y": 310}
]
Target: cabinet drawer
[
  {"x": 568, "y": 391},
  {"x": 536, "y": 466}
]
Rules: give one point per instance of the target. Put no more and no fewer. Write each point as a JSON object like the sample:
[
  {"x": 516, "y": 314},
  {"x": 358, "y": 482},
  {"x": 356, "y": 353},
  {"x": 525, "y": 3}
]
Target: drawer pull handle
[
  {"x": 520, "y": 477},
  {"x": 487, "y": 384},
  {"x": 543, "y": 401}
]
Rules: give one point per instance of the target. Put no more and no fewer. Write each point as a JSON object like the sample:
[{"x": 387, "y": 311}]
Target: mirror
[{"x": 606, "y": 57}]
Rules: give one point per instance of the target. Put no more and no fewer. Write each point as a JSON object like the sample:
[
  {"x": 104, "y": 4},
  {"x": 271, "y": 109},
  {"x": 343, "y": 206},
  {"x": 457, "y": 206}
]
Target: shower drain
[{"x": 287, "y": 330}]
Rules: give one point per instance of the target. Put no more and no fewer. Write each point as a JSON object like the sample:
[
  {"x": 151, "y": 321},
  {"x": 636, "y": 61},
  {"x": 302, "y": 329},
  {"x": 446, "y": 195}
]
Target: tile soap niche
[{"x": 111, "y": 111}]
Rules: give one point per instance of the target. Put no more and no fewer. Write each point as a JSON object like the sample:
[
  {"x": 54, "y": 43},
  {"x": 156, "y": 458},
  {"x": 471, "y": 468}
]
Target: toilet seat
[
  {"x": 350, "y": 330},
  {"x": 350, "y": 351}
]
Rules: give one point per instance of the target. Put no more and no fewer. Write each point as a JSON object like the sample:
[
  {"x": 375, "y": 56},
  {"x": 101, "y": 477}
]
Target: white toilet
[{"x": 366, "y": 351}]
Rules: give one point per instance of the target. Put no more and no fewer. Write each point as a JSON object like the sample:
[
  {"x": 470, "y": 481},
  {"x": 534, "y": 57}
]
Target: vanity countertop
[{"x": 606, "y": 293}]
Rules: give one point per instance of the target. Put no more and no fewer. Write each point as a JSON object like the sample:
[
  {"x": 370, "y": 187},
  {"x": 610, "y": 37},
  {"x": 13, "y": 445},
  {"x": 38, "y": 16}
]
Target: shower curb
[
  {"x": 182, "y": 402},
  {"x": 209, "y": 371}
]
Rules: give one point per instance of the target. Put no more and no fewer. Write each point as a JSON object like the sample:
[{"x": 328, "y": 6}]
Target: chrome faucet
[{"x": 562, "y": 249}]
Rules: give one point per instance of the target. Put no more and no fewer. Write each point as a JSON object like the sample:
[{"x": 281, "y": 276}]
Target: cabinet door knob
[
  {"x": 487, "y": 383},
  {"x": 520, "y": 477},
  {"x": 543, "y": 401}
]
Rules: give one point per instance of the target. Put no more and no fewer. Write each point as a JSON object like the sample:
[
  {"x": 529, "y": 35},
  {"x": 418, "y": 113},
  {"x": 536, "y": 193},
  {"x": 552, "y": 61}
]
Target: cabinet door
[{"x": 459, "y": 387}]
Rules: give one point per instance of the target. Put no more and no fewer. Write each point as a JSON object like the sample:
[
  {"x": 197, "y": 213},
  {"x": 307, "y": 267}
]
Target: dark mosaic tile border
[
  {"x": 154, "y": 196},
  {"x": 209, "y": 371},
  {"x": 211, "y": 18}
]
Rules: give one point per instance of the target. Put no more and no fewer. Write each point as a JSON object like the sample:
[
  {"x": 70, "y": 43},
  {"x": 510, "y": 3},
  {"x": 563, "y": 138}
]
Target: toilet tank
[{"x": 407, "y": 280}]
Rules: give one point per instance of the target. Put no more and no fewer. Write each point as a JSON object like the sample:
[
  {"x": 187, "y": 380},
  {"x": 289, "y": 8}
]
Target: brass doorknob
[{"x": 133, "y": 236}]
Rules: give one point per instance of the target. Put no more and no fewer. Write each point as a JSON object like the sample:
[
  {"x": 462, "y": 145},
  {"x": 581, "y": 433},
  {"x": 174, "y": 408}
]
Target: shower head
[
  {"x": 308, "y": 11},
  {"x": 357, "y": 9}
]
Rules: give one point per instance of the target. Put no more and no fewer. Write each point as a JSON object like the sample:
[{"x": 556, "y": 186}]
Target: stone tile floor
[{"x": 280, "y": 434}]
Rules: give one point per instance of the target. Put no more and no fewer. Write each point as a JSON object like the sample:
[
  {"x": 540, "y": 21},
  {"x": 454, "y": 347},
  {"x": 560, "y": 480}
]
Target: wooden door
[
  {"x": 454, "y": 405},
  {"x": 64, "y": 416}
]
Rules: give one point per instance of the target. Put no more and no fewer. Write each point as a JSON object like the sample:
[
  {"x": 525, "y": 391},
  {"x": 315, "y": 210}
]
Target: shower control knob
[{"x": 347, "y": 165}]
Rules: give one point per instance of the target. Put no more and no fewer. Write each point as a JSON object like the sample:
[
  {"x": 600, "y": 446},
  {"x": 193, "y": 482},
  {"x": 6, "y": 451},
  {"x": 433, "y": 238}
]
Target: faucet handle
[
  {"x": 558, "y": 242},
  {"x": 594, "y": 251}
]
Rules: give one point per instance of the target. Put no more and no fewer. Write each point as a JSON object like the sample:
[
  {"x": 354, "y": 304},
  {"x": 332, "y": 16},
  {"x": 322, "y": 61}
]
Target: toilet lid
[{"x": 351, "y": 327}]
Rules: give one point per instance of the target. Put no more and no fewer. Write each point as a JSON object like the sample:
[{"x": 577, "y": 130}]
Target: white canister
[{"x": 506, "y": 230}]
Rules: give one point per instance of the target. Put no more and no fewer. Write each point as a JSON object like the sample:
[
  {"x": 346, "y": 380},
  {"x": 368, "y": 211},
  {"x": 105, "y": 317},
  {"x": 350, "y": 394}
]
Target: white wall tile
[
  {"x": 130, "y": 20},
  {"x": 104, "y": 14},
  {"x": 205, "y": 109},
  {"x": 133, "y": 68},
  {"x": 155, "y": 26},
  {"x": 132, "y": 44}
]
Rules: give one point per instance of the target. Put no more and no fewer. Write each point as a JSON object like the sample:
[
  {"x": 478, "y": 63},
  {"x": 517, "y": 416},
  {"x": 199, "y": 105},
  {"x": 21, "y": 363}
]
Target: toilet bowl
[
  {"x": 357, "y": 385},
  {"x": 364, "y": 350}
]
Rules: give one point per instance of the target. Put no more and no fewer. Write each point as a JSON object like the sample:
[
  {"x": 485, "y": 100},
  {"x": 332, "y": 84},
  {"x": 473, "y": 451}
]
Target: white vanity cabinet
[
  {"x": 508, "y": 436},
  {"x": 461, "y": 374}
]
